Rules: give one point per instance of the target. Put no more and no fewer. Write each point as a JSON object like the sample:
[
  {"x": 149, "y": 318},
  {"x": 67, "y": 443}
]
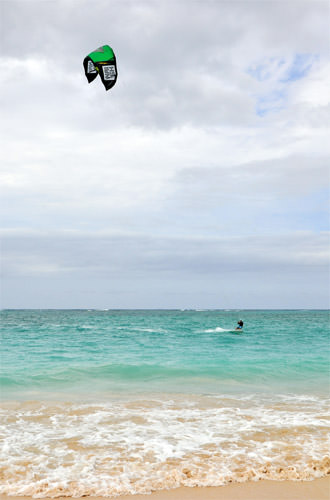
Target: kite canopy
[{"x": 101, "y": 61}]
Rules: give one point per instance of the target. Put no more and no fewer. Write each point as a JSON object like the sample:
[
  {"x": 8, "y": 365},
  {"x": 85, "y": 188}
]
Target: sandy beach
[
  {"x": 319, "y": 489},
  {"x": 84, "y": 421}
]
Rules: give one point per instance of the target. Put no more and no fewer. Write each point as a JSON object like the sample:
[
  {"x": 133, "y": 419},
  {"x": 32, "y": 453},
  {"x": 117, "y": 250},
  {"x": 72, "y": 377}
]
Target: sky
[{"x": 200, "y": 180}]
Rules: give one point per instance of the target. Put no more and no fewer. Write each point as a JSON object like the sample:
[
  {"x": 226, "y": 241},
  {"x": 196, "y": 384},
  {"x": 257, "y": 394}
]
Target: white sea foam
[
  {"x": 145, "y": 444},
  {"x": 142, "y": 329},
  {"x": 217, "y": 329}
]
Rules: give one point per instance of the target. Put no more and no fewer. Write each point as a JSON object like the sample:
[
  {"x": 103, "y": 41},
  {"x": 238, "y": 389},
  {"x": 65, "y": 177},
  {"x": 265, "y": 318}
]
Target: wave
[
  {"x": 99, "y": 372},
  {"x": 214, "y": 377},
  {"x": 218, "y": 329},
  {"x": 137, "y": 446}
]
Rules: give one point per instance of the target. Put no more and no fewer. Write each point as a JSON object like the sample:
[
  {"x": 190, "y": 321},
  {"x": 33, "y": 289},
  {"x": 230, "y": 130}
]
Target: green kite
[{"x": 101, "y": 61}]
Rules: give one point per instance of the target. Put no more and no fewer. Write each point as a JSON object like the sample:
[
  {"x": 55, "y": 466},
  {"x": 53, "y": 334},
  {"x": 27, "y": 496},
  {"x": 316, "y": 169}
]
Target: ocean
[{"x": 110, "y": 402}]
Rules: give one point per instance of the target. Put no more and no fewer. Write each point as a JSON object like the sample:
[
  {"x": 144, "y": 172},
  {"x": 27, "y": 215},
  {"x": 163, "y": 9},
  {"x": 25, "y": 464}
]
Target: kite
[{"x": 101, "y": 61}]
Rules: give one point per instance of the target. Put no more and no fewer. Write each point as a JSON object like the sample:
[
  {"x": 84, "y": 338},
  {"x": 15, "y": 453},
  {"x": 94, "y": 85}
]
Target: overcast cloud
[{"x": 201, "y": 180}]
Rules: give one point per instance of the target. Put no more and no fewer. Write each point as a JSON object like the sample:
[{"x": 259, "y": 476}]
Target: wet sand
[{"x": 319, "y": 489}]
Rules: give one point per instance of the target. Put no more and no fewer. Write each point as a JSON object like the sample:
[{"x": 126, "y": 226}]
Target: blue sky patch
[
  {"x": 272, "y": 101},
  {"x": 299, "y": 68},
  {"x": 265, "y": 70},
  {"x": 275, "y": 74}
]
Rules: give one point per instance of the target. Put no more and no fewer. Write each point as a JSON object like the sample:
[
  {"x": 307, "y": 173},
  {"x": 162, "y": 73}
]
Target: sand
[{"x": 319, "y": 489}]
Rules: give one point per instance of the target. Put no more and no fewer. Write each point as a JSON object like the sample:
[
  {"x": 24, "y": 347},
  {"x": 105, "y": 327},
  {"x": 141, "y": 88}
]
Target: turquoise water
[
  {"x": 93, "y": 352},
  {"x": 103, "y": 403}
]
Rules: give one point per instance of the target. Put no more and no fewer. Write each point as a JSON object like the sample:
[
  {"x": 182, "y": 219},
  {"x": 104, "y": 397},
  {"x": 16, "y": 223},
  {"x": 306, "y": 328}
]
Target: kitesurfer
[{"x": 239, "y": 325}]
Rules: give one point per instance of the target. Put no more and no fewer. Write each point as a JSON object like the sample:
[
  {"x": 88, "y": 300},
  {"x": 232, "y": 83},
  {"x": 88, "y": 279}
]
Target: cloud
[
  {"x": 29, "y": 253},
  {"x": 176, "y": 66},
  {"x": 148, "y": 266},
  {"x": 275, "y": 77},
  {"x": 293, "y": 176},
  {"x": 217, "y": 128}
]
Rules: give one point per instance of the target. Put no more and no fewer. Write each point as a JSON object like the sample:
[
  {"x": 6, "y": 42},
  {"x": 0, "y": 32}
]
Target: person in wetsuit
[{"x": 239, "y": 325}]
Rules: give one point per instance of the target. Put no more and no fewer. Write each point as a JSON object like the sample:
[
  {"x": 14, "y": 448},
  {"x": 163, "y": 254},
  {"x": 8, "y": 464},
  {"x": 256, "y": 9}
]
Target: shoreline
[{"x": 317, "y": 489}]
